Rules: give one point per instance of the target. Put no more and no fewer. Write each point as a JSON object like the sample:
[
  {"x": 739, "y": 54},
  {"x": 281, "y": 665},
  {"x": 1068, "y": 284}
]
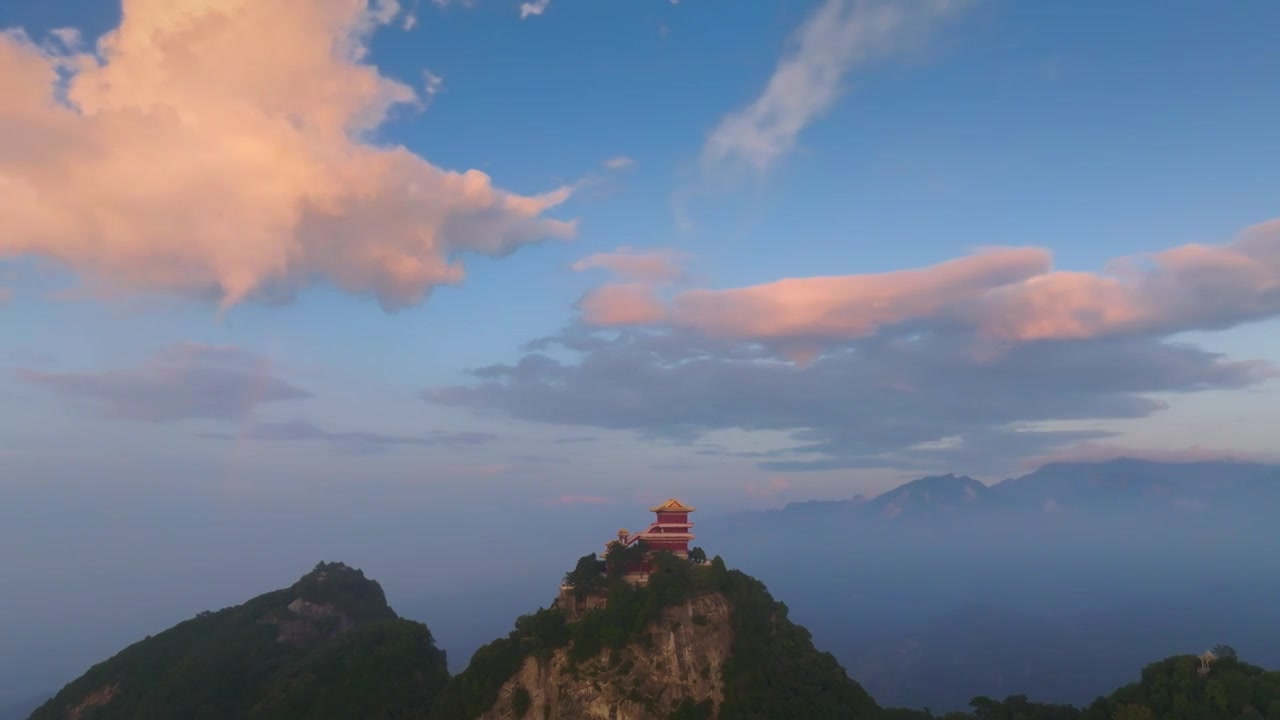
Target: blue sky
[
  {"x": 251, "y": 310},
  {"x": 1092, "y": 130}
]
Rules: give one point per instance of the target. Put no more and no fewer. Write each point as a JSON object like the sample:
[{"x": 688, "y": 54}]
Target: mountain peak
[
  {"x": 332, "y": 620},
  {"x": 696, "y": 640},
  {"x": 929, "y": 493}
]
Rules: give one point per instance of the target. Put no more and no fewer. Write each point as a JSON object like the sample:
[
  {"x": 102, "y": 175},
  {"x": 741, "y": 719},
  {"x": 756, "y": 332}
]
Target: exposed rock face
[
  {"x": 311, "y": 623},
  {"x": 683, "y": 658},
  {"x": 93, "y": 700}
]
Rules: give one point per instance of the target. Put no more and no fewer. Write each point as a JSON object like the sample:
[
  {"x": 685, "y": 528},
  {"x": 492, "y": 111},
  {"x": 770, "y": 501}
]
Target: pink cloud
[
  {"x": 621, "y": 304},
  {"x": 630, "y": 264},
  {"x": 773, "y": 486},
  {"x": 217, "y": 148},
  {"x": 852, "y": 306},
  {"x": 634, "y": 300},
  {"x": 6, "y": 294},
  {"x": 1002, "y": 295}
]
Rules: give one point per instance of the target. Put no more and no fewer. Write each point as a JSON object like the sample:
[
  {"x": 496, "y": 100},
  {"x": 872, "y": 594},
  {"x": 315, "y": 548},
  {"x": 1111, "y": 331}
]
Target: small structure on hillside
[
  {"x": 1206, "y": 660},
  {"x": 669, "y": 532},
  {"x": 631, "y": 556}
]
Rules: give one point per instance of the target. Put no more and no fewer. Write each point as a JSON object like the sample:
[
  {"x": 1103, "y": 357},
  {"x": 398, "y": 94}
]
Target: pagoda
[{"x": 669, "y": 532}]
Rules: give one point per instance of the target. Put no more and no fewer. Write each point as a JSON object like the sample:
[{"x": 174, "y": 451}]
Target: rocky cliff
[
  {"x": 697, "y": 641},
  {"x": 678, "y": 661}
]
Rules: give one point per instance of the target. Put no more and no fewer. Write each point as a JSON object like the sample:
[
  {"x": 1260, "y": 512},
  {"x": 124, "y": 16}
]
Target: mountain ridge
[{"x": 1062, "y": 485}]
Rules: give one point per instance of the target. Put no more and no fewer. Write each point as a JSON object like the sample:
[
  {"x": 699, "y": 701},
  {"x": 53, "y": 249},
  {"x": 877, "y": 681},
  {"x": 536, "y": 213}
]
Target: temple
[{"x": 669, "y": 532}]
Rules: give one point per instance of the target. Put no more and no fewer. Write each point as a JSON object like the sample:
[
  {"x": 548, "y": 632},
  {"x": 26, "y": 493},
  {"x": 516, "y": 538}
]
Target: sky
[{"x": 278, "y": 278}]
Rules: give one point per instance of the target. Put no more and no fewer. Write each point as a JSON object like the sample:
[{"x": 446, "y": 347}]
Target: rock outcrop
[{"x": 679, "y": 659}]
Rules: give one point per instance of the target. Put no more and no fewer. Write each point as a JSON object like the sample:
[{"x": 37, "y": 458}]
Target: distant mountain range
[{"x": 1115, "y": 484}]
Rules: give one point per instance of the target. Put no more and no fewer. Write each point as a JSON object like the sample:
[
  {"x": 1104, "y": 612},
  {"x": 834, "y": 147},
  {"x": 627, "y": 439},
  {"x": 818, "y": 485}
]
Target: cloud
[
  {"x": 536, "y": 7},
  {"x": 634, "y": 301},
  {"x": 1000, "y": 296},
  {"x": 852, "y": 306},
  {"x": 961, "y": 365},
  {"x": 649, "y": 266},
  {"x": 6, "y": 294},
  {"x": 432, "y": 85},
  {"x": 774, "y": 486},
  {"x": 618, "y": 163},
  {"x": 352, "y": 442},
  {"x": 188, "y": 381},
  {"x": 810, "y": 76},
  {"x": 878, "y": 403},
  {"x": 621, "y": 304},
  {"x": 230, "y": 150}
]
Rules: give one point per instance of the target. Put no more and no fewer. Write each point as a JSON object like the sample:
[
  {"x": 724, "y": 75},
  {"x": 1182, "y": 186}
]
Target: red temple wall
[{"x": 677, "y": 518}]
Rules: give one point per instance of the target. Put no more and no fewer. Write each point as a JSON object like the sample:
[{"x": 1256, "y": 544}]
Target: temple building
[{"x": 669, "y": 532}]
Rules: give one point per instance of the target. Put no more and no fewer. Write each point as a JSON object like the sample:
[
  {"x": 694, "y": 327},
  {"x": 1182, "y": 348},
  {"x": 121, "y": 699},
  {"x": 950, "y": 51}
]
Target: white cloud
[
  {"x": 432, "y": 84},
  {"x": 809, "y": 78},
  {"x": 619, "y": 162},
  {"x": 537, "y": 7}
]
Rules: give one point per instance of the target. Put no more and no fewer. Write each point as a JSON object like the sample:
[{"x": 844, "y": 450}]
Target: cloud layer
[
  {"x": 354, "y": 442},
  {"x": 188, "y": 381},
  {"x": 810, "y": 77},
  {"x": 1004, "y": 295},
  {"x": 958, "y": 365},
  {"x": 227, "y": 149}
]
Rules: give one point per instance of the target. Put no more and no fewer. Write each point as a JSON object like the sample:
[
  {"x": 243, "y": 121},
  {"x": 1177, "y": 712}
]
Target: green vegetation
[
  {"x": 329, "y": 648},
  {"x": 774, "y": 670},
  {"x": 261, "y": 660},
  {"x": 1172, "y": 689},
  {"x": 520, "y": 701},
  {"x": 387, "y": 669}
]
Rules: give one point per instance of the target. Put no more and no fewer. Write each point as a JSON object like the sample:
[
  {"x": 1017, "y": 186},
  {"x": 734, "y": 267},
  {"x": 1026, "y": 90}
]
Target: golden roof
[{"x": 672, "y": 505}]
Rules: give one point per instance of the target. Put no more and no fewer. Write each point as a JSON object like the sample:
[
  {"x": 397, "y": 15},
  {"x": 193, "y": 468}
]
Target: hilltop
[
  {"x": 328, "y": 646},
  {"x": 697, "y": 641}
]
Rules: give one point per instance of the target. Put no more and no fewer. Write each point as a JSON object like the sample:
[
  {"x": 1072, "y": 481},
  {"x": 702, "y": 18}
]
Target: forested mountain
[
  {"x": 699, "y": 641},
  {"x": 329, "y": 646}
]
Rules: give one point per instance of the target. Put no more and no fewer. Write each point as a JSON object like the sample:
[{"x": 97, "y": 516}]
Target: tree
[
  {"x": 1133, "y": 712},
  {"x": 1225, "y": 651},
  {"x": 587, "y": 575},
  {"x": 697, "y": 556}
]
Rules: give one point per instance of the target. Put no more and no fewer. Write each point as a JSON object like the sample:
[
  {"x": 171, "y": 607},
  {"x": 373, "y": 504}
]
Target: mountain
[
  {"x": 698, "y": 641},
  {"x": 928, "y": 494},
  {"x": 1120, "y": 483},
  {"x": 1182, "y": 687},
  {"x": 328, "y": 646},
  {"x": 1126, "y": 481},
  {"x": 987, "y": 650}
]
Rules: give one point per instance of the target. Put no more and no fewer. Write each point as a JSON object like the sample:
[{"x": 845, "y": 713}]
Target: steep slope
[
  {"x": 696, "y": 642},
  {"x": 318, "y": 649},
  {"x": 679, "y": 662}
]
